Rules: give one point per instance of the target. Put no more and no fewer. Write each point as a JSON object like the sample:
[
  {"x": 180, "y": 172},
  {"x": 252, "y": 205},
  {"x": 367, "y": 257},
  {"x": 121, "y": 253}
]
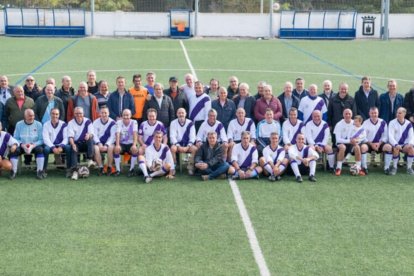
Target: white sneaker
[
  {"x": 410, "y": 171},
  {"x": 75, "y": 175},
  {"x": 148, "y": 179},
  {"x": 91, "y": 164}
]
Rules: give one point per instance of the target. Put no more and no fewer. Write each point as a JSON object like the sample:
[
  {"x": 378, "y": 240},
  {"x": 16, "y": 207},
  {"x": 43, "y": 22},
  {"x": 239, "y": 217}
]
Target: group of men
[{"x": 224, "y": 131}]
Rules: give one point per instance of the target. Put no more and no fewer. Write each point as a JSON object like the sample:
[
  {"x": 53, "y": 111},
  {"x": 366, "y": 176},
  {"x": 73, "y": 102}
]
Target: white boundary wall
[{"x": 218, "y": 24}]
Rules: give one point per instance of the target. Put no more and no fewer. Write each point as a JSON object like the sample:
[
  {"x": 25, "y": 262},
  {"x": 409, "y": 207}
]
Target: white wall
[{"x": 225, "y": 25}]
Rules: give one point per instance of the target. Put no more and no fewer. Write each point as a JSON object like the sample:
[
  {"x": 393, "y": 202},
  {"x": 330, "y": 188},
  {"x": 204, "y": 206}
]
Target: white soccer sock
[
  {"x": 133, "y": 161},
  {"x": 295, "y": 168},
  {"x": 364, "y": 160},
  {"x": 331, "y": 160},
  {"x": 312, "y": 167},
  {"x": 268, "y": 168},
  {"x": 143, "y": 168},
  {"x": 339, "y": 165},
  {"x": 162, "y": 171},
  {"x": 40, "y": 160},
  {"x": 395, "y": 160},
  {"x": 387, "y": 160},
  {"x": 117, "y": 160},
  {"x": 409, "y": 161},
  {"x": 15, "y": 161}
]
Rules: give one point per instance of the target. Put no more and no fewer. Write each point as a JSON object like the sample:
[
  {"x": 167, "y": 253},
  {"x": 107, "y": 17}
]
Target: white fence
[{"x": 219, "y": 24}]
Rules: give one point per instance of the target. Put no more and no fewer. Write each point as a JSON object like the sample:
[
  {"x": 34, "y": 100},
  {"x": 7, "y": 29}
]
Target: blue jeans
[
  {"x": 216, "y": 170},
  {"x": 47, "y": 151}
]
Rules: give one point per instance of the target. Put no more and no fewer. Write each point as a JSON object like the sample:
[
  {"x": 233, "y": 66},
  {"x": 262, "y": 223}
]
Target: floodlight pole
[
  {"x": 92, "y": 16},
  {"x": 271, "y": 19},
  {"x": 261, "y": 6},
  {"x": 196, "y": 18},
  {"x": 385, "y": 13}
]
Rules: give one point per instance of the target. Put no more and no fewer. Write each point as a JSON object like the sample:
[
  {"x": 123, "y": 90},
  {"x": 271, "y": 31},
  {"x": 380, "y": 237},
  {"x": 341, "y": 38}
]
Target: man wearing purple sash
[
  {"x": 400, "y": 136},
  {"x": 317, "y": 136},
  {"x": 377, "y": 139},
  {"x": 303, "y": 159},
  {"x": 244, "y": 160},
  {"x": 55, "y": 139},
  {"x": 80, "y": 133},
  {"x": 200, "y": 104}
]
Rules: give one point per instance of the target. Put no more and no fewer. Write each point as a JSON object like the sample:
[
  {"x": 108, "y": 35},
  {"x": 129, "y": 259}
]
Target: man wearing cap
[{"x": 178, "y": 97}]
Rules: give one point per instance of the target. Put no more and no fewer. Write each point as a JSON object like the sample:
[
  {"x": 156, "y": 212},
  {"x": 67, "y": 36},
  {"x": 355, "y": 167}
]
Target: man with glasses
[{"x": 31, "y": 89}]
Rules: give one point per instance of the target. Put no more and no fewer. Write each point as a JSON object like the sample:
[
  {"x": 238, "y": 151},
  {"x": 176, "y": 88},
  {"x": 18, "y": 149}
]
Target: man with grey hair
[
  {"x": 29, "y": 135},
  {"x": 83, "y": 99},
  {"x": 66, "y": 92},
  {"x": 209, "y": 158},
  {"x": 163, "y": 104},
  {"x": 80, "y": 134}
]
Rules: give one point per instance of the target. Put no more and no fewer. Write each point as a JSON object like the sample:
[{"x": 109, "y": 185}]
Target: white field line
[
  {"x": 201, "y": 69},
  {"x": 254, "y": 243},
  {"x": 188, "y": 60}
]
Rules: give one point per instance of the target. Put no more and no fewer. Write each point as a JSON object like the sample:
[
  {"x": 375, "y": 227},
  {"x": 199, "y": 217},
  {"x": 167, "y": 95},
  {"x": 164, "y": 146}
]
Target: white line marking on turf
[
  {"x": 188, "y": 60},
  {"x": 201, "y": 69},
  {"x": 254, "y": 243}
]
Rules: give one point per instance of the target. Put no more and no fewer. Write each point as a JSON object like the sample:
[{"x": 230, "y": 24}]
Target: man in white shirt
[
  {"x": 244, "y": 160},
  {"x": 158, "y": 160},
  {"x": 274, "y": 161},
  {"x": 303, "y": 159},
  {"x": 400, "y": 136}
]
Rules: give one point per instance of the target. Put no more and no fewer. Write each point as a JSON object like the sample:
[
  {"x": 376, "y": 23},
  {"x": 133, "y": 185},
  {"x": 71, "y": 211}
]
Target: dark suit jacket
[
  {"x": 248, "y": 105},
  {"x": 385, "y": 106},
  {"x": 295, "y": 103},
  {"x": 409, "y": 103},
  {"x": 363, "y": 104},
  {"x": 326, "y": 98},
  {"x": 165, "y": 114}
]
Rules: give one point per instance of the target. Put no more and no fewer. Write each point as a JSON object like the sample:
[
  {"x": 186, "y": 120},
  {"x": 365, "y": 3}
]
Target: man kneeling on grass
[
  {"x": 303, "y": 159},
  {"x": 158, "y": 159},
  {"x": 244, "y": 159},
  {"x": 209, "y": 158}
]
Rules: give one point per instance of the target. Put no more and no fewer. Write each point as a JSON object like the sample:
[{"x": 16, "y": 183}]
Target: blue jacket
[
  {"x": 385, "y": 106},
  {"x": 113, "y": 104}
]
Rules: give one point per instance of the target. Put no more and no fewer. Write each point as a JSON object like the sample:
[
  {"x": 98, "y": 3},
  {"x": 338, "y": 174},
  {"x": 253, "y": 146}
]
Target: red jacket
[{"x": 261, "y": 106}]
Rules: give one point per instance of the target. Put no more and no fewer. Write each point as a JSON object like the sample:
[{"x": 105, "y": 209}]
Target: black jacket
[
  {"x": 211, "y": 156},
  {"x": 336, "y": 108},
  {"x": 363, "y": 104},
  {"x": 165, "y": 113}
]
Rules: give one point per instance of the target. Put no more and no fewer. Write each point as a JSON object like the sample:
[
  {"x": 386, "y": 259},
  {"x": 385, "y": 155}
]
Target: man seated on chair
[
  {"x": 158, "y": 159},
  {"x": 264, "y": 128},
  {"x": 274, "y": 160},
  {"x": 148, "y": 128},
  {"x": 55, "y": 139},
  {"x": 209, "y": 158},
  {"x": 104, "y": 138},
  {"x": 211, "y": 124},
  {"x": 291, "y": 128},
  {"x": 80, "y": 133},
  {"x": 317, "y": 136},
  {"x": 28, "y": 134},
  {"x": 400, "y": 136},
  {"x": 244, "y": 159},
  {"x": 237, "y": 126},
  {"x": 126, "y": 141},
  {"x": 349, "y": 137},
  {"x": 182, "y": 138},
  {"x": 8, "y": 144},
  {"x": 377, "y": 138},
  {"x": 302, "y": 159}
]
